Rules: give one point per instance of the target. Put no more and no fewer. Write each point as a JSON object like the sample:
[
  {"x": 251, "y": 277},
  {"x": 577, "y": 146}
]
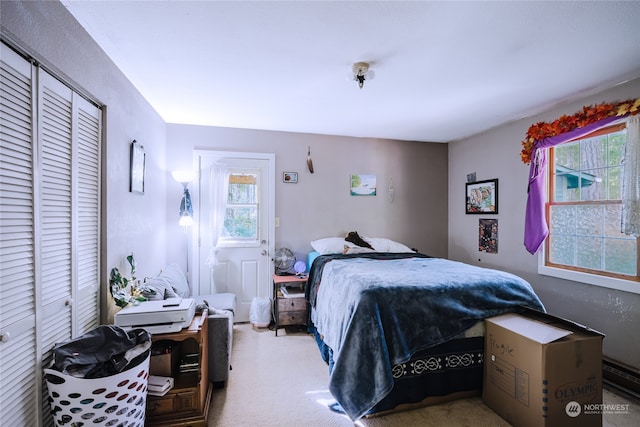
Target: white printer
[{"x": 158, "y": 316}]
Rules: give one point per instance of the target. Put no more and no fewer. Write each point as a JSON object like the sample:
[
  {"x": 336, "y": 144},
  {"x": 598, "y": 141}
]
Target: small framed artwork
[
  {"x": 136, "y": 179},
  {"x": 488, "y": 236},
  {"x": 363, "y": 185},
  {"x": 482, "y": 197},
  {"x": 290, "y": 177}
]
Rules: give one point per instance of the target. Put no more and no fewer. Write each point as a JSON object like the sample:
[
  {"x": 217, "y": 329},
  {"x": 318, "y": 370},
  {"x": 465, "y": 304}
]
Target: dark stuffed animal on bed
[{"x": 355, "y": 238}]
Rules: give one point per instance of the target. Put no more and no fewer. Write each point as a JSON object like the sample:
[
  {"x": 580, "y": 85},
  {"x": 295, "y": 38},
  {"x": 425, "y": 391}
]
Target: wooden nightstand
[{"x": 290, "y": 304}]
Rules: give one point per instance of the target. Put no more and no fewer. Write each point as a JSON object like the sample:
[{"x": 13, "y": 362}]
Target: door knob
[{"x": 264, "y": 252}]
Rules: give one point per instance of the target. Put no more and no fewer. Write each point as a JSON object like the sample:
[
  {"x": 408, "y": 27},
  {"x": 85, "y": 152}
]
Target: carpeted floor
[{"x": 282, "y": 381}]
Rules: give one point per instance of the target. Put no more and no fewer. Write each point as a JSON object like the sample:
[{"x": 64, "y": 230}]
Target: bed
[{"x": 399, "y": 328}]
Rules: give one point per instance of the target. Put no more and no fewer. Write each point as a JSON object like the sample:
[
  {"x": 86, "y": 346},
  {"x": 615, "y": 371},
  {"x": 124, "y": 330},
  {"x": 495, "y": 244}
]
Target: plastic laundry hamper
[
  {"x": 260, "y": 313},
  {"x": 117, "y": 400}
]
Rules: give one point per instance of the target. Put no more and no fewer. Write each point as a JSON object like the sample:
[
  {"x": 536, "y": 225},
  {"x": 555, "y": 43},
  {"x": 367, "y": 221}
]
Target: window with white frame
[
  {"x": 241, "y": 219},
  {"x": 584, "y": 207}
]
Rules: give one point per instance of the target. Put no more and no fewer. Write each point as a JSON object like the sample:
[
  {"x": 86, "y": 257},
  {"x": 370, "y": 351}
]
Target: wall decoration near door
[
  {"x": 488, "y": 236},
  {"x": 136, "y": 179},
  {"x": 363, "y": 185},
  {"x": 482, "y": 197},
  {"x": 290, "y": 177}
]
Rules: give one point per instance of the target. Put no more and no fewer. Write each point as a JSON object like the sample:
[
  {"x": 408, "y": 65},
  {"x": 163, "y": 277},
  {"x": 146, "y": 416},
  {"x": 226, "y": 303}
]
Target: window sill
[{"x": 591, "y": 279}]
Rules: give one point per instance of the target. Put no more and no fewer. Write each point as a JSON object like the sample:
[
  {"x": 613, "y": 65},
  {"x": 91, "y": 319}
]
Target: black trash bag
[{"x": 102, "y": 352}]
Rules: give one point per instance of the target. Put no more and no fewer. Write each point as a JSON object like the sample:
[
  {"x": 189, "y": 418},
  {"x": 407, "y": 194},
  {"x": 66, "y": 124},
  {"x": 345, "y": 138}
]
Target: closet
[{"x": 49, "y": 228}]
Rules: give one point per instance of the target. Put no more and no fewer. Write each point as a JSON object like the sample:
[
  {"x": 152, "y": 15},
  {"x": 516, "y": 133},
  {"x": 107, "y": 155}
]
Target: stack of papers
[{"x": 159, "y": 386}]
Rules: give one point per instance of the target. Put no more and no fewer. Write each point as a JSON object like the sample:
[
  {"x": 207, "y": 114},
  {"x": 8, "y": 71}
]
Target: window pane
[
  {"x": 566, "y": 186},
  {"x": 562, "y": 249},
  {"x": 589, "y": 220},
  {"x": 615, "y": 183},
  {"x": 589, "y": 253},
  {"x": 612, "y": 218},
  {"x": 241, "y": 222},
  {"x": 621, "y": 256},
  {"x": 620, "y": 250},
  {"x": 568, "y": 155},
  {"x": 593, "y": 185},
  {"x": 616, "y": 147},
  {"x": 593, "y": 153},
  {"x": 562, "y": 220},
  {"x": 242, "y": 193}
]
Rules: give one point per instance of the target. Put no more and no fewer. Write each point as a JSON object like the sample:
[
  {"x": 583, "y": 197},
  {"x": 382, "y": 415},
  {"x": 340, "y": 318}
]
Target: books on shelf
[
  {"x": 158, "y": 385},
  {"x": 189, "y": 363},
  {"x": 291, "y": 293}
]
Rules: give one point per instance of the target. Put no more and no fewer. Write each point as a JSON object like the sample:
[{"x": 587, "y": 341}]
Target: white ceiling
[{"x": 444, "y": 70}]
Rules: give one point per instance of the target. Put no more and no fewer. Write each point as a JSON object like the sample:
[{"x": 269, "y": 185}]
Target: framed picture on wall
[
  {"x": 488, "y": 236},
  {"x": 136, "y": 178},
  {"x": 290, "y": 177},
  {"x": 482, "y": 197},
  {"x": 363, "y": 185}
]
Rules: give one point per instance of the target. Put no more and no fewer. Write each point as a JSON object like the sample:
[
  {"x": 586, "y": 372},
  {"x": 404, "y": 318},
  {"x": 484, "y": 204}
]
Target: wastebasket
[
  {"x": 260, "y": 313},
  {"x": 100, "y": 378}
]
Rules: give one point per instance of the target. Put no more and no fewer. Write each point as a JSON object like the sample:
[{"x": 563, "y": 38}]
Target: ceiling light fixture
[{"x": 361, "y": 72}]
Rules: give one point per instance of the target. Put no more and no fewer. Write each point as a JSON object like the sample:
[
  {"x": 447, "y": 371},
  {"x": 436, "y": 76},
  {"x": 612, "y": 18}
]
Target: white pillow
[
  {"x": 358, "y": 250},
  {"x": 175, "y": 278},
  {"x": 398, "y": 247},
  {"x": 380, "y": 244},
  {"x": 162, "y": 289},
  {"x": 330, "y": 245}
]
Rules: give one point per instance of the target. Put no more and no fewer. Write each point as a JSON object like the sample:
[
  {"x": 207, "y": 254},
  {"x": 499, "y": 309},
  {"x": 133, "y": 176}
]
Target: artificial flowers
[{"x": 588, "y": 114}]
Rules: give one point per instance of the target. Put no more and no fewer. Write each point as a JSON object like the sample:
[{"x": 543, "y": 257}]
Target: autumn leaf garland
[{"x": 588, "y": 114}]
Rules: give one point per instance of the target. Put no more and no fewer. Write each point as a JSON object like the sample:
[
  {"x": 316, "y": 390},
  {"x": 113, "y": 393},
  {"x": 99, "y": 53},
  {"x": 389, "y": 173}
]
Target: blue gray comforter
[{"x": 375, "y": 313}]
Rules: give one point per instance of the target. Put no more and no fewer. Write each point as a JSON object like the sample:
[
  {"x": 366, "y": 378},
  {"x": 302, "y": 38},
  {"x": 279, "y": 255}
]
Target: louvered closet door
[
  {"x": 54, "y": 222},
  {"x": 54, "y": 232},
  {"x": 18, "y": 350},
  {"x": 49, "y": 230},
  {"x": 69, "y": 193},
  {"x": 68, "y": 223},
  {"x": 87, "y": 131}
]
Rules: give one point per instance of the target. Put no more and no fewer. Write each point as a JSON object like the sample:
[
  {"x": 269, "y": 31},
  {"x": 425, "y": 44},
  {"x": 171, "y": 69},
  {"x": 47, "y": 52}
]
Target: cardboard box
[
  {"x": 162, "y": 361},
  {"x": 541, "y": 370},
  {"x": 161, "y": 365}
]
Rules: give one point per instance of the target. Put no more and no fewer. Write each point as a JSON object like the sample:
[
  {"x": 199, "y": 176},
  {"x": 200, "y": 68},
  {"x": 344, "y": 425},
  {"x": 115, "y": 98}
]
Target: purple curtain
[{"x": 535, "y": 223}]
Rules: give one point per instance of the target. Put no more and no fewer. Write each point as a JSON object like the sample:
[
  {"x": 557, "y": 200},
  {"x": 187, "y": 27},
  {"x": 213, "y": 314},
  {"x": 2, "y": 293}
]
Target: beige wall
[
  {"x": 320, "y": 204},
  {"x": 496, "y": 154}
]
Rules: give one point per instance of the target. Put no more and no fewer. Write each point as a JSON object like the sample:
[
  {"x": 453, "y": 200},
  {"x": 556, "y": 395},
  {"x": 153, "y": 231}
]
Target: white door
[{"x": 241, "y": 261}]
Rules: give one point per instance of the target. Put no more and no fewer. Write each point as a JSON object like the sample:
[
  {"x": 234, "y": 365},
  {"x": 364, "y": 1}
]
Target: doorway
[{"x": 234, "y": 244}]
